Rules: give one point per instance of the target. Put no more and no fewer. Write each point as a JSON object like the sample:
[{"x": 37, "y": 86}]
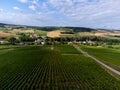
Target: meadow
[{"x": 40, "y": 68}]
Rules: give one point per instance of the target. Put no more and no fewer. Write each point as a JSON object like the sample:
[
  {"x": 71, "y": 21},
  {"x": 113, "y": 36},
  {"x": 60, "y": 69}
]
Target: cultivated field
[
  {"x": 12, "y": 33},
  {"x": 59, "y": 33},
  {"x": 4, "y": 34},
  {"x": 99, "y": 34},
  {"x": 53, "y": 34},
  {"x": 40, "y": 68},
  {"x": 22, "y": 31},
  {"x": 108, "y": 55}
]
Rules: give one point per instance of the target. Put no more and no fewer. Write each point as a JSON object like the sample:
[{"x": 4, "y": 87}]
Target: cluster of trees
[
  {"x": 25, "y": 38},
  {"x": 98, "y": 40},
  {"x": 85, "y": 38},
  {"x": 80, "y": 29},
  {"x": 21, "y": 38}
]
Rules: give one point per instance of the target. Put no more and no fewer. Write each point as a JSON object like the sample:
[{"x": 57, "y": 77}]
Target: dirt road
[{"x": 98, "y": 61}]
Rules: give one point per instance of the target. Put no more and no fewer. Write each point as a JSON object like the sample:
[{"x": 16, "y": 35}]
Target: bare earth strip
[
  {"x": 22, "y": 31},
  {"x": 53, "y": 34},
  {"x": 3, "y": 34},
  {"x": 98, "y": 61}
]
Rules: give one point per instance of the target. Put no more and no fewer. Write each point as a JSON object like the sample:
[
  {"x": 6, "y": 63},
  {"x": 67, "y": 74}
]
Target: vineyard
[
  {"x": 40, "y": 68},
  {"x": 109, "y": 55}
]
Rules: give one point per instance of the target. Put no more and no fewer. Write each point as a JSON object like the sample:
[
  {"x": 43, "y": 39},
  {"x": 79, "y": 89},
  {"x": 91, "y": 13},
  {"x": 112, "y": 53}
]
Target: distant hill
[
  {"x": 48, "y": 28},
  {"x": 11, "y": 25},
  {"x": 54, "y": 31},
  {"x": 75, "y": 29},
  {"x": 2, "y": 25},
  {"x": 81, "y": 29}
]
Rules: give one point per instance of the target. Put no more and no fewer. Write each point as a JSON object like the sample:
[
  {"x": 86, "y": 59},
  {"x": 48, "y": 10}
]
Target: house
[
  {"x": 1, "y": 42},
  {"x": 34, "y": 36},
  {"x": 4, "y": 42},
  {"x": 90, "y": 42},
  {"x": 69, "y": 43},
  {"x": 40, "y": 41},
  {"x": 84, "y": 42},
  {"x": 21, "y": 43}
]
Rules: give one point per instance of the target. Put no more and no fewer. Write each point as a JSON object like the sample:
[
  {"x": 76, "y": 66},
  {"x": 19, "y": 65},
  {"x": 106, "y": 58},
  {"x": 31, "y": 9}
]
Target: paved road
[{"x": 98, "y": 61}]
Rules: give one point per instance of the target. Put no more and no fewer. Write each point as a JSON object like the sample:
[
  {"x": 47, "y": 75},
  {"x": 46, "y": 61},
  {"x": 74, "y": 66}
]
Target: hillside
[{"x": 10, "y": 30}]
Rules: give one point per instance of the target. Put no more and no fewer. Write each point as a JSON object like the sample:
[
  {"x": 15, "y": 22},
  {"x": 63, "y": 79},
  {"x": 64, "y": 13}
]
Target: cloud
[
  {"x": 86, "y": 12},
  {"x": 16, "y": 8},
  {"x": 35, "y": 1},
  {"x": 90, "y": 13},
  {"x": 32, "y": 7},
  {"x": 23, "y": 1},
  {"x": 19, "y": 18},
  {"x": 1, "y": 10}
]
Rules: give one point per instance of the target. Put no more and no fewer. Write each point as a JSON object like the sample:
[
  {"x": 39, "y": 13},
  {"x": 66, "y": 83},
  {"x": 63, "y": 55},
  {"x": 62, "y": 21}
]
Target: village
[{"x": 31, "y": 36}]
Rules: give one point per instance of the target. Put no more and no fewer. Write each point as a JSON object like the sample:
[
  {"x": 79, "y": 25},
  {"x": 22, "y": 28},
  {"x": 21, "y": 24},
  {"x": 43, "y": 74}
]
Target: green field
[
  {"x": 66, "y": 49},
  {"x": 40, "y": 32},
  {"x": 109, "y": 55},
  {"x": 116, "y": 46},
  {"x": 40, "y": 68}
]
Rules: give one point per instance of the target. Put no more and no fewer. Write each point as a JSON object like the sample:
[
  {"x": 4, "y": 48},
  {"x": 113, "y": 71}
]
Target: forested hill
[
  {"x": 82, "y": 29},
  {"x": 2, "y": 25},
  {"x": 50, "y": 28}
]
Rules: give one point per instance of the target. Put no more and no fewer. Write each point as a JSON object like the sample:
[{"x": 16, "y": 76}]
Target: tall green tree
[{"x": 12, "y": 40}]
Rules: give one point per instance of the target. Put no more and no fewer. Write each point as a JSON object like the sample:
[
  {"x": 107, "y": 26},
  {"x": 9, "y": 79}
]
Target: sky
[{"x": 80, "y": 13}]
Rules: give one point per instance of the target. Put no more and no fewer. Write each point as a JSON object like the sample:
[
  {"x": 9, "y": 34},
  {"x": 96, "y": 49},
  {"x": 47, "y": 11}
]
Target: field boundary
[
  {"x": 116, "y": 72},
  {"x": 69, "y": 54}
]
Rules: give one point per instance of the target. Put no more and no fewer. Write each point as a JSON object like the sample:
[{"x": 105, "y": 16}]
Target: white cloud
[
  {"x": 32, "y": 7},
  {"x": 19, "y": 18},
  {"x": 23, "y": 1},
  {"x": 73, "y": 12},
  {"x": 85, "y": 12},
  {"x": 44, "y": 5},
  {"x": 1, "y": 10},
  {"x": 35, "y": 1},
  {"x": 16, "y": 8}
]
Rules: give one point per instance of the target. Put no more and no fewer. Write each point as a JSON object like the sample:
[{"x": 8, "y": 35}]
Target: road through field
[{"x": 97, "y": 60}]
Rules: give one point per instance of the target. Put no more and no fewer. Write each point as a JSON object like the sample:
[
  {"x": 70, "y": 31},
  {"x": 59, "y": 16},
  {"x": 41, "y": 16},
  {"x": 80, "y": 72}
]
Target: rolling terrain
[
  {"x": 39, "y": 67},
  {"x": 54, "y": 32},
  {"x": 43, "y": 58}
]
